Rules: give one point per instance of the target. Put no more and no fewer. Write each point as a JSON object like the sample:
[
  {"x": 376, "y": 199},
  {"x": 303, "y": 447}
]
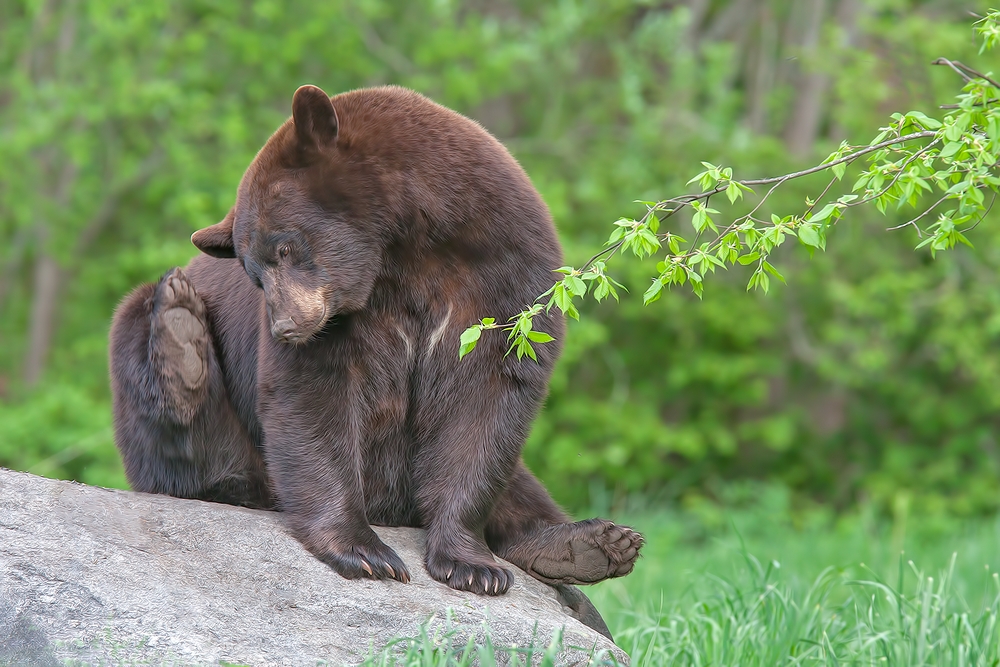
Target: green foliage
[
  {"x": 733, "y": 401},
  {"x": 959, "y": 156}
]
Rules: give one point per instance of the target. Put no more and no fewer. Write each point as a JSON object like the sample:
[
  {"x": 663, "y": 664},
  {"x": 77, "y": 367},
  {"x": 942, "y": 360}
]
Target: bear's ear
[
  {"x": 314, "y": 117},
  {"x": 216, "y": 240}
]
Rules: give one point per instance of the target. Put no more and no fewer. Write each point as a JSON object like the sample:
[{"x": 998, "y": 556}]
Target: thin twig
[
  {"x": 982, "y": 217},
  {"x": 763, "y": 199},
  {"x": 919, "y": 217},
  {"x": 975, "y": 73},
  {"x": 847, "y": 158},
  {"x": 945, "y": 61},
  {"x": 610, "y": 249},
  {"x": 959, "y": 106},
  {"x": 821, "y": 195}
]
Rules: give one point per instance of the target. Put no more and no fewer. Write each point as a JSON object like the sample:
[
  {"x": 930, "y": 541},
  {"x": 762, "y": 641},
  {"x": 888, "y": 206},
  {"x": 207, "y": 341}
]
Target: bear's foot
[
  {"x": 482, "y": 578},
  {"x": 367, "y": 557},
  {"x": 584, "y": 552},
  {"x": 179, "y": 345}
]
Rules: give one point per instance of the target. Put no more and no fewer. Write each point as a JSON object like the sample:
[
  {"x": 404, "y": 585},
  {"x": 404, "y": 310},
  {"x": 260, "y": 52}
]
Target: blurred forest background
[{"x": 871, "y": 378}]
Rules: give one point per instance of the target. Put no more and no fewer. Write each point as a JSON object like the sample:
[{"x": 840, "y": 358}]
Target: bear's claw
[
  {"x": 369, "y": 558},
  {"x": 479, "y": 578}
]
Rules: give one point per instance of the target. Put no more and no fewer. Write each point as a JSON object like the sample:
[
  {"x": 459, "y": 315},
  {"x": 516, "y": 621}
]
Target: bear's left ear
[
  {"x": 314, "y": 117},
  {"x": 216, "y": 240}
]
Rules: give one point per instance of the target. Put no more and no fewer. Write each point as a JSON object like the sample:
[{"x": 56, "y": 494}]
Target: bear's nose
[{"x": 284, "y": 329}]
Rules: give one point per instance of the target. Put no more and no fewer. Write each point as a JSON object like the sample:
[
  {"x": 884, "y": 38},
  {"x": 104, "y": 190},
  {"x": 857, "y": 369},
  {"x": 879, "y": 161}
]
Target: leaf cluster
[{"x": 912, "y": 157}]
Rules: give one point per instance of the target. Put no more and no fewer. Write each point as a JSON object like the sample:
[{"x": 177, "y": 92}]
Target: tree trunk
[
  {"x": 810, "y": 107},
  {"x": 47, "y": 281},
  {"x": 761, "y": 71},
  {"x": 807, "y": 112},
  {"x": 47, "y": 278},
  {"x": 12, "y": 267},
  {"x": 848, "y": 17}
]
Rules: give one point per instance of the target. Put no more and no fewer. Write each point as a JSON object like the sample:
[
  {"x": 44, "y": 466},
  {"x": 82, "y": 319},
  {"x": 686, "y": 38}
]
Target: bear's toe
[{"x": 176, "y": 291}]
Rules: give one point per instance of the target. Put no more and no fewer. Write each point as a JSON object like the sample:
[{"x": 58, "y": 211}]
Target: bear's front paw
[
  {"x": 369, "y": 558},
  {"x": 479, "y": 578}
]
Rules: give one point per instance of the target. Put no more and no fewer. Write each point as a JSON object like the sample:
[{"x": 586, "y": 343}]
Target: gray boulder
[{"x": 102, "y": 576}]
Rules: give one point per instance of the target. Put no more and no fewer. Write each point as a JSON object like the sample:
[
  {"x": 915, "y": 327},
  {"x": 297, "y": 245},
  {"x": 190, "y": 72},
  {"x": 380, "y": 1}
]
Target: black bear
[{"x": 308, "y": 361}]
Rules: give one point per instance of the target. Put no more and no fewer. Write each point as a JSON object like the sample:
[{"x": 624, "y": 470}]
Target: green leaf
[
  {"x": 602, "y": 290},
  {"x": 773, "y": 271},
  {"x": 824, "y": 213},
  {"x": 924, "y": 119},
  {"x": 697, "y": 178},
  {"x": 524, "y": 348},
  {"x": 759, "y": 279},
  {"x": 653, "y": 293},
  {"x": 469, "y": 338},
  {"x": 650, "y": 243},
  {"x": 654, "y": 223},
  {"x": 674, "y": 243},
  {"x": 748, "y": 259},
  {"x": 576, "y": 286},
  {"x": 951, "y": 148},
  {"x": 562, "y": 299},
  {"x": 471, "y": 335},
  {"x": 540, "y": 337},
  {"x": 953, "y": 132},
  {"x": 733, "y": 192},
  {"x": 809, "y": 235}
]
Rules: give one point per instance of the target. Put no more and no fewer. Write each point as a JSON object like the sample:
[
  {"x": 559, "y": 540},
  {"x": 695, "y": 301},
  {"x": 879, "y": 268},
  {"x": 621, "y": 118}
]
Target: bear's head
[{"x": 305, "y": 224}]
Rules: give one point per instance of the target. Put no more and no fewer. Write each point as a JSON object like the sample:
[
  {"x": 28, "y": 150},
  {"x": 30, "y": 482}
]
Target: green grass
[
  {"x": 433, "y": 647},
  {"x": 763, "y": 585}
]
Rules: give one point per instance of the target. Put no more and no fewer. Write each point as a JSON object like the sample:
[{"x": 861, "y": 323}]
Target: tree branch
[
  {"x": 926, "y": 134},
  {"x": 965, "y": 71}
]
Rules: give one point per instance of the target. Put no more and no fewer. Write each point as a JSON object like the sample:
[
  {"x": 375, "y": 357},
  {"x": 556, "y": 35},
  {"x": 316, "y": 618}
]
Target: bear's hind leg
[
  {"x": 528, "y": 529},
  {"x": 174, "y": 425}
]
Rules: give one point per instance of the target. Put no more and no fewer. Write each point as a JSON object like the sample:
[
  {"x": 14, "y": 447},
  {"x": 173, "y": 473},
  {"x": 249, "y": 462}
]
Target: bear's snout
[{"x": 285, "y": 329}]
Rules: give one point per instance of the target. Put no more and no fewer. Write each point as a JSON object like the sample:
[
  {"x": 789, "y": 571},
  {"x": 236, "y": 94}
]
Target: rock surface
[{"x": 112, "y": 577}]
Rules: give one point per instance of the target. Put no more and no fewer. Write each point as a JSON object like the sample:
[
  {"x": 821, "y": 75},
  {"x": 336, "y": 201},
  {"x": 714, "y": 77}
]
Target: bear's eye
[{"x": 284, "y": 250}]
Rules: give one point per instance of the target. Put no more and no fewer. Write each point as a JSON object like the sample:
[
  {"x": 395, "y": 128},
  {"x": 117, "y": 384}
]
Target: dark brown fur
[{"x": 368, "y": 238}]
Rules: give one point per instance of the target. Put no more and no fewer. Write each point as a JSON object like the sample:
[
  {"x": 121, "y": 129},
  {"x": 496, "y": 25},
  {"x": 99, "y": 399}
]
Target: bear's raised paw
[{"x": 179, "y": 342}]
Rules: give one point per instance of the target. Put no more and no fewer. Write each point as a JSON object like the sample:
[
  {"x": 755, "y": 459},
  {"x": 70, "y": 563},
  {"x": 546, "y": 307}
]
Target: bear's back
[{"x": 449, "y": 168}]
